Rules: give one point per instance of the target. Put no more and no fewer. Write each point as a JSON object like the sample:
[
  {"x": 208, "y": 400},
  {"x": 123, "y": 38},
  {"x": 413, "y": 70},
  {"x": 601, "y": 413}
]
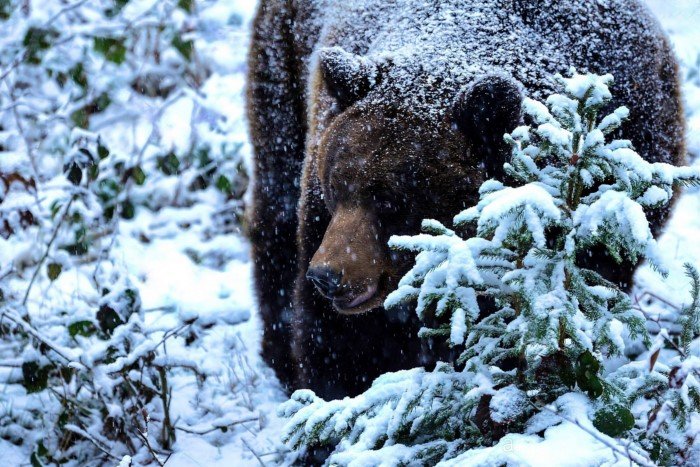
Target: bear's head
[{"x": 384, "y": 166}]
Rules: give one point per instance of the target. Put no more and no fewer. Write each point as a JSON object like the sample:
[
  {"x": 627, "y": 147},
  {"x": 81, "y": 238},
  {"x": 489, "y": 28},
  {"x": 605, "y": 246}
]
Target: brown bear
[{"x": 368, "y": 116}]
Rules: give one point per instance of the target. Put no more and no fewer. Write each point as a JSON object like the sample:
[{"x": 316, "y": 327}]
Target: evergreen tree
[{"x": 549, "y": 321}]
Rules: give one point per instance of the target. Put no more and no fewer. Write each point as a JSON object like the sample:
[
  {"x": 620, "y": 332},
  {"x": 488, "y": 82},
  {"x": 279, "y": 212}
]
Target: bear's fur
[{"x": 367, "y": 116}]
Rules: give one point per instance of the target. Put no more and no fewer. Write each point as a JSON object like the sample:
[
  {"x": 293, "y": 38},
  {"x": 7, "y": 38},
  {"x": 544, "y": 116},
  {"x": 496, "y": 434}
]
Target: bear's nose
[{"x": 326, "y": 280}]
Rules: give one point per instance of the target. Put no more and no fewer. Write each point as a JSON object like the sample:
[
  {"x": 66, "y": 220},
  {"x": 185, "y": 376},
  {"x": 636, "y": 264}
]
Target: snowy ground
[
  {"x": 217, "y": 287},
  {"x": 171, "y": 282}
]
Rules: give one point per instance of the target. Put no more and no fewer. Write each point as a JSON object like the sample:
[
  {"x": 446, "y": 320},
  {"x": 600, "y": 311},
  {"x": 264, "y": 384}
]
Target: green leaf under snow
[
  {"x": 53, "y": 270},
  {"x": 169, "y": 164},
  {"x": 34, "y": 377},
  {"x": 111, "y": 48},
  {"x": 614, "y": 421},
  {"x": 83, "y": 328},
  {"x": 75, "y": 174},
  {"x": 223, "y": 184},
  {"x": 185, "y": 47},
  {"x": 138, "y": 175}
]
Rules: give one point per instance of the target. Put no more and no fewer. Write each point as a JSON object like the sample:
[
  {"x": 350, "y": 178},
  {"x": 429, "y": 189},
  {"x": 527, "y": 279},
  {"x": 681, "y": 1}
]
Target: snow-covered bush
[
  {"x": 105, "y": 115},
  {"x": 532, "y": 323},
  {"x": 664, "y": 393}
]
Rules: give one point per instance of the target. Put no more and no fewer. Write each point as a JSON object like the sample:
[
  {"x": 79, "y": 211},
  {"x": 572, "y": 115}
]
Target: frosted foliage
[
  {"x": 573, "y": 182},
  {"x": 672, "y": 421},
  {"x": 502, "y": 211},
  {"x": 571, "y": 189},
  {"x": 389, "y": 420},
  {"x": 586, "y": 165},
  {"x": 121, "y": 183},
  {"x": 592, "y": 90},
  {"x": 444, "y": 271},
  {"x": 665, "y": 393},
  {"x": 507, "y": 404},
  {"x": 615, "y": 212}
]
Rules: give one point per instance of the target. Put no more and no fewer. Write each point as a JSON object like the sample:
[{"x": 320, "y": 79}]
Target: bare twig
[
  {"x": 18, "y": 104},
  {"x": 9, "y": 270},
  {"x": 167, "y": 430},
  {"x": 20, "y": 128},
  {"x": 59, "y": 224},
  {"x": 154, "y": 122},
  {"x": 15, "y": 63},
  {"x": 27, "y": 327},
  {"x": 143, "y": 435},
  {"x": 147, "y": 443},
  {"x": 247, "y": 380},
  {"x": 104, "y": 254},
  {"x": 84, "y": 434},
  {"x": 168, "y": 308},
  {"x": 253, "y": 451},
  {"x": 172, "y": 332},
  {"x": 215, "y": 427},
  {"x": 65, "y": 10},
  {"x": 663, "y": 332},
  {"x": 270, "y": 453},
  {"x": 17, "y": 364}
]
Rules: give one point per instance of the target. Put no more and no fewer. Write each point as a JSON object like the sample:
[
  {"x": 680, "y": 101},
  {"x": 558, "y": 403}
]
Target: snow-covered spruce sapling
[{"x": 532, "y": 322}]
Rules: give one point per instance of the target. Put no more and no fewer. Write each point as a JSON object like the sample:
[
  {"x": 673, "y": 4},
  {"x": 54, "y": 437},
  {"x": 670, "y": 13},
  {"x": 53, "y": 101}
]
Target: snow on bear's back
[{"x": 436, "y": 47}]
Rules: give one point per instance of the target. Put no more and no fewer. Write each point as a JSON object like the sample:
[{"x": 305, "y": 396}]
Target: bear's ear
[
  {"x": 488, "y": 109},
  {"x": 348, "y": 77}
]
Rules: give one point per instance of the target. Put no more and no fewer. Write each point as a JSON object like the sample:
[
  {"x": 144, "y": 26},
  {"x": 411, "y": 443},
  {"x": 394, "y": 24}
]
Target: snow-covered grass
[{"x": 184, "y": 271}]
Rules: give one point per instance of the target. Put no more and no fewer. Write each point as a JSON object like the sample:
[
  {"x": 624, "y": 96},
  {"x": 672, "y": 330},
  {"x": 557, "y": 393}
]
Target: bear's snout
[{"x": 350, "y": 266}]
